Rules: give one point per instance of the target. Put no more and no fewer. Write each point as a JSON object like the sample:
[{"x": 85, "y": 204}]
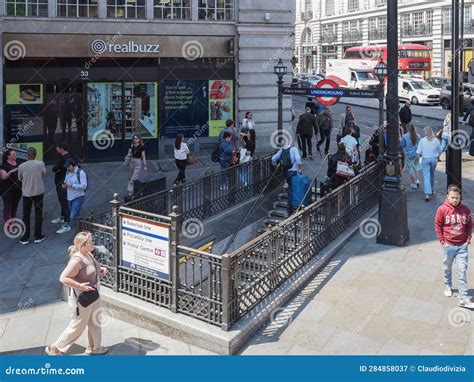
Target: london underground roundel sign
[{"x": 332, "y": 96}]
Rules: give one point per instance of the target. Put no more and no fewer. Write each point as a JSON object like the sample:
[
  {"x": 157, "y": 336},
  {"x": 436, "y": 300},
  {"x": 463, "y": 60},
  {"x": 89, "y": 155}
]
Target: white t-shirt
[
  {"x": 350, "y": 142},
  {"x": 182, "y": 153},
  {"x": 248, "y": 124}
]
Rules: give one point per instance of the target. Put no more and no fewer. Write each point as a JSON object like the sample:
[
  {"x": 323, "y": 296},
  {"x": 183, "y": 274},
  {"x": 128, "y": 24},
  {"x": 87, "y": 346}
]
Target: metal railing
[
  {"x": 420, "y": 30},
  {"x": 222, "y": 289},
  {"x": 352, "y": 35},
  {"x": 328, "y": 37},
  {"x": 377, "y": 34}
]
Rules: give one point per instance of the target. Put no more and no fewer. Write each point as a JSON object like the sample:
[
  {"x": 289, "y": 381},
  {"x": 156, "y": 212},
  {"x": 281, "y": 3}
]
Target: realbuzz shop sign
[
  {"x": 146, "y": 247},
  {"x": 99, "y": 46}
]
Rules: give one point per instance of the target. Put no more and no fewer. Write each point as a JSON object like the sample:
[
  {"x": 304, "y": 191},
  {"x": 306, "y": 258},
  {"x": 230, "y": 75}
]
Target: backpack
[
  {"x": 78, "y": 174},
  {"x": 216, "y": 153},
  {"x": 285, "y": 159},
  {"x": 471, "y": 118}
]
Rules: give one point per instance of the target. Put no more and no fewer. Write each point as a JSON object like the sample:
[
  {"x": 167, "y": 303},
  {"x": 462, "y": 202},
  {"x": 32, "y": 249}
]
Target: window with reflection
[
  {"x": 172, "y": 9},
  {"x": 30, "y": 8},
  {"x": 77, "y": 8},
  {"x": 216, "y": 10},
  {"x": 126, "y": 9}
]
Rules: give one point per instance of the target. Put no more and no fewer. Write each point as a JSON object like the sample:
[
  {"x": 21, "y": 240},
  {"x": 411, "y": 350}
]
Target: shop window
[
  {"x": 126, "y": 9},
  {"x": 219, "y": 10},
  {"x": 172, "y": 9},
  {"x": 26, "y": 8},
  {"x": 117, "y": 110},
  {"x": 77, "y": 8}
]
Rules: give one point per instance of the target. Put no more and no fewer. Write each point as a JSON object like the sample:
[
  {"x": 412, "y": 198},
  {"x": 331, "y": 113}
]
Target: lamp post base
[{"x": 393, "y": 217}]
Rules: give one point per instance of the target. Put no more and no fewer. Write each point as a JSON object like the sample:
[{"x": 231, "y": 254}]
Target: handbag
[
  {"x": 244, "y": 158},
  {"x": 233, "y": 158},
  {"x": 344, "y": 170},
  {"x": 191, "y": 159},
  {"x": 87, "y": 298},
  {"x": 439, "y": 134}
]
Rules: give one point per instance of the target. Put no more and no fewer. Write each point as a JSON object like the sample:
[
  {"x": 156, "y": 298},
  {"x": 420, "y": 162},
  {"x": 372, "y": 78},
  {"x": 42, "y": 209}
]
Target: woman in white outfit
[
  {"x": 181, "y": 151},
  {"x": 430, "y": 149},
  {"x": 82, "y": 274},
  {"x": 248, "y": 123},
  {"x": 137, "y": 157}
]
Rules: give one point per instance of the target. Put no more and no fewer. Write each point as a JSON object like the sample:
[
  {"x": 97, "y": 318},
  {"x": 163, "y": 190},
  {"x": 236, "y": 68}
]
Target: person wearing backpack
[
  {"x": 289, "y": 160},
  {"x": 75, "y": 183}
]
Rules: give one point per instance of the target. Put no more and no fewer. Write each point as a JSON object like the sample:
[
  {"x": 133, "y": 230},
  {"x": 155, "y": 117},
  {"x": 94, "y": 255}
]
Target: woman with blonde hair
[
  {"x": 430, "y": 149},
  {"x": 82, "y": 275}
]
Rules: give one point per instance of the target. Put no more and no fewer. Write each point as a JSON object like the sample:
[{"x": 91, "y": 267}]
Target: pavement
[
  {"x": 379, "y": 300},
  {"x": 370, "y": 299}
]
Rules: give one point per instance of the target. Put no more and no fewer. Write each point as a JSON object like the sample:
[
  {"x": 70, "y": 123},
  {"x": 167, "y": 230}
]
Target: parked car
[
  {"x": 445, "y": 96},
  {"x": 438, "y": 82},
  {"x": 417, "y": 91},
  {"x": 304, "y": 81}
]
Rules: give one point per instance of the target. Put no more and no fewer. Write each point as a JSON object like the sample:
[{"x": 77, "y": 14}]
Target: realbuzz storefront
[{"x": 96, "y": 92}]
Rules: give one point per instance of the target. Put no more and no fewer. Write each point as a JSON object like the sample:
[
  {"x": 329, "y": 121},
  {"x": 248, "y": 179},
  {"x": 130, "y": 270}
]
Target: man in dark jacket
[
  {"x": 59, "y": 170},
  {"x": 324, "y": 123},
  {"x": 306, "y": 125},
  {"x": 405, "y": 116},
  {"x": 468, "y": 113}
]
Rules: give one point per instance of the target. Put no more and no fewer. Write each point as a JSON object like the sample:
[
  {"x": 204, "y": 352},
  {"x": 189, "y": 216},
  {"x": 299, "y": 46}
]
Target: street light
[
  {"x": 381, "y": 72},
  {"x": 280, "y": 70},
  {"x": 393, "y": 217}
]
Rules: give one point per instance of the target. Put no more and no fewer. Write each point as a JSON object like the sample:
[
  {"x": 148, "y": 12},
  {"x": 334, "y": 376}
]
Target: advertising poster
[
  {"x": 146, "y": 247},
  {"x": 115, "y": 108},
  {"x": 24, "y": 121},
  {"x": 221, "y": 105},
  {"x": 24, "y": 94},
  {"x": 185, "y": 108},
  {"x": 22, "y": 147}
]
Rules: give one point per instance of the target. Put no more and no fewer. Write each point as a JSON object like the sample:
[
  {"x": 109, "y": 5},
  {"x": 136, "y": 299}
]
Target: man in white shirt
[
  {"x": 75, "y": 183},
  {"x": 352, "y": 147}
]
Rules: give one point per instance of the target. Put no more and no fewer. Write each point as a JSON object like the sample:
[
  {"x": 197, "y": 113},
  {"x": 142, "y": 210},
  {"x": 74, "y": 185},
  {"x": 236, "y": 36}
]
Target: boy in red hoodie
[{"x": 453, "y": 226}]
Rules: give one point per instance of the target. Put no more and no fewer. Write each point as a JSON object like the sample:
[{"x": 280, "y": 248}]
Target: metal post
[
  {"x": 226, "y": 292},
  {"x": 393, "y": 217},
  {"x": 117, "y": 235},
  {"x": 380, "y": 130},
  {"x": 453, "y": 157},
  {"x": 174, "y": 256},
  {"x": 280, "y": 107}
]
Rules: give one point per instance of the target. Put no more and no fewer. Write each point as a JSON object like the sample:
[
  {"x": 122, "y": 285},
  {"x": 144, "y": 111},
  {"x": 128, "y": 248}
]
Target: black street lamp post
[
  {"x": 381, "y": 72},
  {"x": 280, "y": 70},
  {"x": 393, "y": 217}
]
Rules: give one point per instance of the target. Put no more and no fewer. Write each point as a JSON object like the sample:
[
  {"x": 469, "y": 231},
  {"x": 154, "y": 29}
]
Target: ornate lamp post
[{"x": 280, "y": 70}]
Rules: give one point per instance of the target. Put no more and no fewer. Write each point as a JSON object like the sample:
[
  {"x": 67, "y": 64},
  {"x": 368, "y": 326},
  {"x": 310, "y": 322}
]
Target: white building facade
[{"x": 326, "y": 28}]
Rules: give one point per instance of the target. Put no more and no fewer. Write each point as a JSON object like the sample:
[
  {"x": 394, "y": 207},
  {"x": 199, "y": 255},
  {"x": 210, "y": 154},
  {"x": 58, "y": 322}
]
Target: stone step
[
  {"x": 278, "y": 214},
  {"x": 283, "y": 196},
  {"x": 271, "y": 222},
  {"x": 280, "y": 204}
]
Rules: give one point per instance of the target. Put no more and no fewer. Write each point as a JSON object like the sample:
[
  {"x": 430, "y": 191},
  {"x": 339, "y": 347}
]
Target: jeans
[
  {"x": 306, "y": 143},
  {"x": 11, "y": 200},
  {"x": 62, "y": 197},
  {"x": 325, "y": 136},
  {"x": 429, "y": 167},
  {"x": 181, "y": 165},
  {"x": 28, "y": 202},
  {"x": 444, "y": 142},
  {"x": 75, "y": 206},
  {"x": 458, "y": 253}
]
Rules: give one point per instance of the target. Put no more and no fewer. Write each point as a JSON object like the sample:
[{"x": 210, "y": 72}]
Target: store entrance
[{"x": 64, "y": 119}]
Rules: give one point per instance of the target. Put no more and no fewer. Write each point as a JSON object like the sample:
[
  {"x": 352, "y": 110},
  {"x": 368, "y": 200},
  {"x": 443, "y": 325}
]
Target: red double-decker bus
[{"x": 413, "y": 59}]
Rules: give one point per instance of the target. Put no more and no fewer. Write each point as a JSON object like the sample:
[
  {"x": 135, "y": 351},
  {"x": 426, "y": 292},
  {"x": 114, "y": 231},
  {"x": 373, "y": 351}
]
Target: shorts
[{"x": 413, "y": 165}]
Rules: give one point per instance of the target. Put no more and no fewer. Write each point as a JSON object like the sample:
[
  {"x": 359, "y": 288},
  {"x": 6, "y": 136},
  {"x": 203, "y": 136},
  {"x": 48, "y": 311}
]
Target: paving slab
[{"x": 418, "y": 310}]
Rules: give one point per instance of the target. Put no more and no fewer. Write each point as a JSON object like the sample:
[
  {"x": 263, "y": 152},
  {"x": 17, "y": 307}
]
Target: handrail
[
  {"x": 139, "y": 212},
  {"x": 199, "y": 252}
]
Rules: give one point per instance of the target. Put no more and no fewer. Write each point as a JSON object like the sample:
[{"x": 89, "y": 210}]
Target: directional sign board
[{"x": 337, "y": 92}]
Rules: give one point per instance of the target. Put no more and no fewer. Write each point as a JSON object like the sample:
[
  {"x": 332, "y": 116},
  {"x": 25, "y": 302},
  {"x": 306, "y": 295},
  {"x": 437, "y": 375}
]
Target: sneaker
[
  {"x": 448, "y": 291},
  {"x": 65, "y": 228},
  {"x": 41, "y": 239},
  {"x": 99, "y": 351},
  {"x": 52, "y": 350},
  {"x": 427, "y": 198},
  {"x": 58, "y": 221},
  {"x": 24, "y": 242},
  {"x": 417, "y": 183},
  {"x": 466, "y": 302}
]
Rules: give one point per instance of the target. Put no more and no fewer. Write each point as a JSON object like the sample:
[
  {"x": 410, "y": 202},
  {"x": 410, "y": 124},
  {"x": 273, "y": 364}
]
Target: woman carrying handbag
[{"x": 82, "y": 275}]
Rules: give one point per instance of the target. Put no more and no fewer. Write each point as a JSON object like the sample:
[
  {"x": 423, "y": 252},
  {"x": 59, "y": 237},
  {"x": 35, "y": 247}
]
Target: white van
[{"x": 417, "y": 91}]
